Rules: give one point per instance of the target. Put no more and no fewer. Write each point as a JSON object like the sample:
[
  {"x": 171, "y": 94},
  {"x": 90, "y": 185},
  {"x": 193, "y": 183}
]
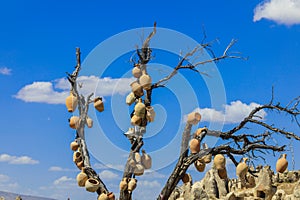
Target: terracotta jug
[
  {"x": 150, "y": 114},
  {"x": 77, "y": 157},
  {"x": 194, "y": 145},
  {"x": 222, "y": 173},
  {"x": 282, "y": 163},
  {"x": 103, "y": 196},
  {"x": 146, "y": 160},
  {"x": 130, "y": 98},
  {"x": 74, "y": 122},
  {"x": 136, "y": 72},
  {"x": 74, "y": 146},
  {"x": 139, "y": 170},
  {"x": 71, "y": 102},
  {"x": 137, "y": 89},
  {"x": 135, "y": 120},
  {"x": 199, "y": 165},
  {"x": 131, "y": 184},
  {"x": 186, "y": 178},
  {"x": 193, "y": 118},
  {"x": 140, "y": 109},
  {"x": 219, "y": 161},
  {"x": 92, "y": 185},
  {"x": 98, "y": 104},
  {"x": 242, "y": 168},
  {"x": 81, "y": 178},
  {"x": 89, "y": 122},
  {"x": 145, "y": 81},
  {"x": 123, "y": 184}
]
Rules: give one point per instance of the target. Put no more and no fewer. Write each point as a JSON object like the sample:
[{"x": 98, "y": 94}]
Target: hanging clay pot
[
  {"x": 145, "y": 81},
  {"x": 80, "y": 165},
  {"x": 137, "y": 89},
  {"x": 74, "y": 146},
  {"x": 123, "y": 184},
  {"x": 89, "y": 122},
  {"x": 186, "y": 178},
  {"x": 130, "y": 98},
  {"x": 71, "y": 102},
  {"x": 199, "y": 165},
  {"x": 219, "y": 161},
  {"x": 92, "y": 185},
  {"x": 131, "y": 184},
  {"x": 281, "y": 164},
  {"x": 74, "y": 122},
  {"x": 137, "y": 157},
  {"x": 77, "y": 157},
  {"x": 222, "y": 173},
  {"x": 200, "y": 130},
  {"x": 81, "y": 178},
  {"x": 136, "y": 72},
  {"x": 135, "y": 120},
  {"x": 193, "y": 118},
  {"x": 194, "y": 145},
  {"x": 111, "y": 196},
  {"x": 140, "y": 109},
  {"x": 103, "y": 196},
  {"x": 150, "y": 113},
  {"x": 98, "y": 104},
  {"x": 242, "y": 168},
  {"x": 139, "y": 170},
  {"x": 146, "y": 160}
]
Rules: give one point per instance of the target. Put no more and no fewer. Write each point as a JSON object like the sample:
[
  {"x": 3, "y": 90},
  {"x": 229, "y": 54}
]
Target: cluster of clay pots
[
  {"x": 128, "y": 184},
  {"x": 77, "y": 155},
  {"x": 106, "y": 196},
  {"x": 140, "y": 163}
]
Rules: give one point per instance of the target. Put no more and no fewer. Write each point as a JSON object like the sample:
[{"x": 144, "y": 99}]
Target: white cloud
[
  {"x": 4, "y": 178},
  {"x": 106, "y": 174},
  {"x": 153, "y": 174},
  {"x": 233, "y": 113},
  {"x": 281, "y": 11},
  {"x": 149, "y": 184},
  {"x": 55, "y": 92},
  {"x": 63, "y": 181},
  {"x": 59, "y": 169},
  {"x": 21, "y": 160},
  {"x": 109, "y": 166},
  {"x": 5, "y": 71}
]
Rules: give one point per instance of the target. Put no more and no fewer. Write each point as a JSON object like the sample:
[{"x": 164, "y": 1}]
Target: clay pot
[
  {"x": 150, "y": 113},
  {"x": 145, "y": 81},
  {"x": 111, "y": 196},
  {"x": 281, "y": 164},
  {"x": 136, "y": 72},
  {"x": 123, "y": 184},
  {"x": 71, "y": 102},
  {"x": 132, "y": 162},
  {"x": 137, "y": 157},
  {"x": 81, "y": 178},
  {"x": 222, "y": 173},
  {"x": 219, "y": 161},
  {"x": 242, "y": 168},
  {"x": 91, "y": 185},
  {"x": 199, "y": 165},
  {"x": 137, "y": 89},
  {"x": 193, "y": 118},
  {"x": 77, "y": 157},
  {"x": 186, "y": 178},
  {"x": 130, "y": 98},
  {"x": 103, "y": 196},
  {"x": 98, "y": 104},
  {"x": 135, "y": 120},
  {"x": 74, "y": 122},
  {"x": 140, "y": 109},
  {"x": 139, "y": 170},
  {"x": 74, "y": 146},
  {"x": 146, "y": 160},
  {"x": 131, "y": 184},
  {"x": 80, "y": 165},
  {"x": 200, "y": 130},
  {"x": 89, "y": 122},
  {"x": 194, "y": 145}
]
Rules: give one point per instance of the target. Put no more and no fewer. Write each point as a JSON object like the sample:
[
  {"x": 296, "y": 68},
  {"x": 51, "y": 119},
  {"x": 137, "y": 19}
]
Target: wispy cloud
[
  {"x": 21, "y": 160},
  {"x": 60, "y": 169},
  {"x": 106, "y": 174},
  {"x": 232, "y": 113},
  {"x": 281, "y": 11},
  {"x": 64, "y": 180},
  {"x": 109, "y": 166},
  {"x": 55, "y": 92},
  {"x": 5, "y": 71},
  {"x": 4, "y": 178}
]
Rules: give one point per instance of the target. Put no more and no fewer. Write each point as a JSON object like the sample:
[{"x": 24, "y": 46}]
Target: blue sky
[{"x": 37, "y": 46}]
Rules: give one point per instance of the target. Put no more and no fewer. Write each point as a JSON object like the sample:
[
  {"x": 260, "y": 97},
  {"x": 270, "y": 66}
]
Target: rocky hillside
[
  {"x": 12, "y": 196},
  {"x": 263, "y": 184}
]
